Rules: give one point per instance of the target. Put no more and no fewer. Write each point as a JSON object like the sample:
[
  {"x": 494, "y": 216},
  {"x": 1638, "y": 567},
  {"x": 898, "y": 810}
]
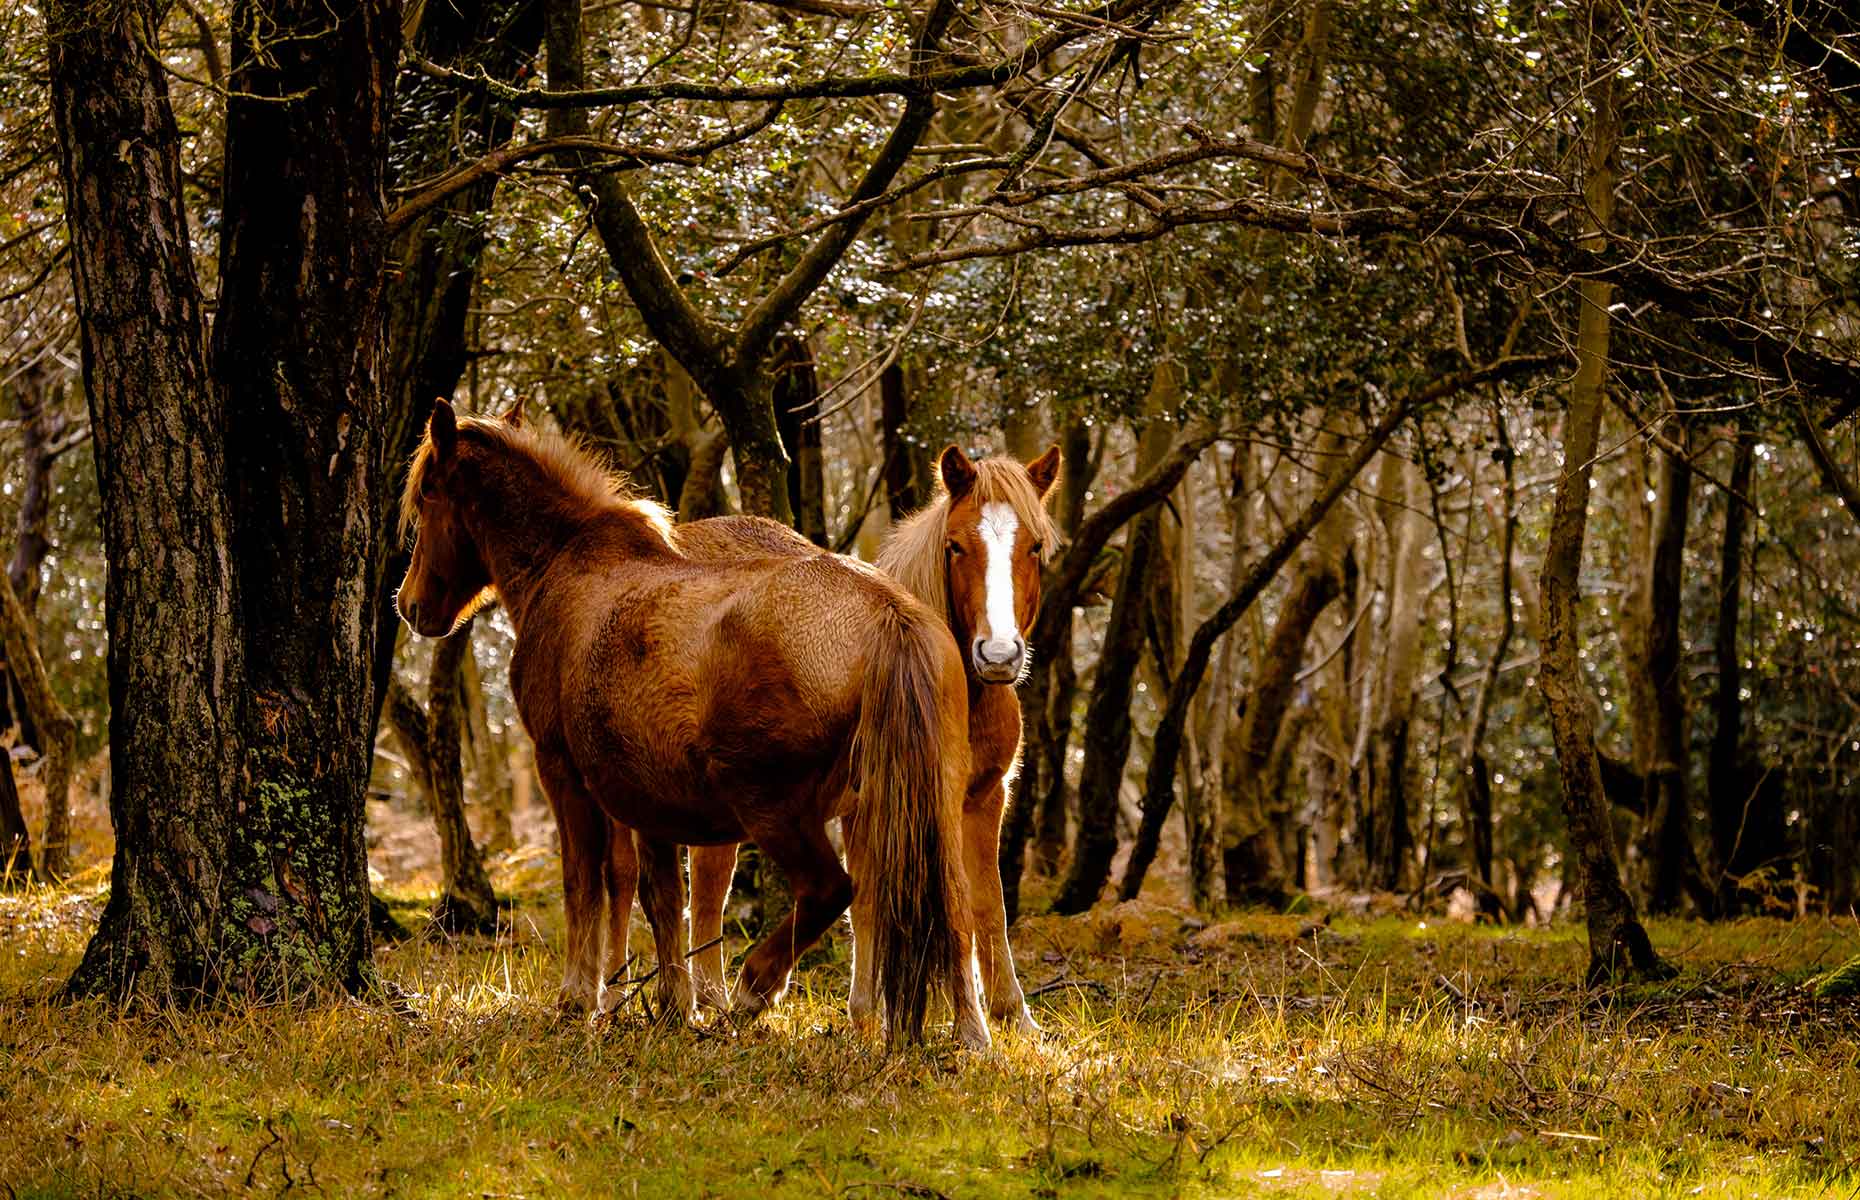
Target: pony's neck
[{"x": 523, "y": 520}]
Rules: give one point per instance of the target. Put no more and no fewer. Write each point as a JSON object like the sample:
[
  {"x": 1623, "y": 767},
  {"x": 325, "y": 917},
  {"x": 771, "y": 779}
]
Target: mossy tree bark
[
  {"x": 1617, "y": 941},
  {"x": 242, "y": 490}
]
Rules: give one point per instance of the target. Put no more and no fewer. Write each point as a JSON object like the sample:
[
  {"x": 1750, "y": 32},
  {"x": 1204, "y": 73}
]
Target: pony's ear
[
  {"x": 957, "y": 471},
  {"x": 513, "y": 416},
  {"x": 1044, "y": 471},
  {"x": 442, "y": 429}
]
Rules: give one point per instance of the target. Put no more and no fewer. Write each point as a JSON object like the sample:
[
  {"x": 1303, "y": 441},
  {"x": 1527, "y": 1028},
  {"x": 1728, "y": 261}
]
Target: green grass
[{"x": 1264, "y": 1056}]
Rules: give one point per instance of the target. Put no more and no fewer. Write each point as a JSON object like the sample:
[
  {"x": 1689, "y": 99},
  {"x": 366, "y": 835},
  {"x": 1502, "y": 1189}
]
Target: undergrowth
[{"x": 1263, "y": 1055}]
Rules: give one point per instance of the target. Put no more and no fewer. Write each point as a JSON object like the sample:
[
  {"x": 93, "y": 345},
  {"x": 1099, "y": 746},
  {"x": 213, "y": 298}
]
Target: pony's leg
[
  {"x": 822, "y": 890},
  {"x": 711, "y": 870},
  {"x": 582, "y": 833},
  {"x": 862, "y": 1005},
  {"x": 662, "y": 895},
  {"x": 620, "y": 870},
  {"x": 981, "y": 855}
]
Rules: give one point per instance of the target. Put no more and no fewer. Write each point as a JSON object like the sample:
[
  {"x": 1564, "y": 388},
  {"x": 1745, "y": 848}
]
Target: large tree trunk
[
  {"x": 242, "y": 503},
  {"x": 1617, "y": 942}
]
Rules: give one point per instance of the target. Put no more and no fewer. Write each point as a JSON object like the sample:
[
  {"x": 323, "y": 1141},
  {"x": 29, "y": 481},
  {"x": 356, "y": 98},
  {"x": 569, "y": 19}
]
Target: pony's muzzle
[
  {"x": 416, "y": 617},
  {"x": 999, "y": 660}
]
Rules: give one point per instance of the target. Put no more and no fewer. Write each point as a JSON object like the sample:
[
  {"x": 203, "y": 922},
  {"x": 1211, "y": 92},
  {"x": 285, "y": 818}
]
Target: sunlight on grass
[{"x": 1266, "y": 1055}]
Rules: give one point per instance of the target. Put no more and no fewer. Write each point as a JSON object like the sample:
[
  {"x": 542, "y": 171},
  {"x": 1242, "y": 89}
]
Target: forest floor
[{"x": 1265, "y": 1054}]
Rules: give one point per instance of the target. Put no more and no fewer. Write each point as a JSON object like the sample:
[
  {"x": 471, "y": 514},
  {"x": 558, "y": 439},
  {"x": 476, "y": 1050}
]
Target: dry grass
[{"x": 1265, "y": 1056}]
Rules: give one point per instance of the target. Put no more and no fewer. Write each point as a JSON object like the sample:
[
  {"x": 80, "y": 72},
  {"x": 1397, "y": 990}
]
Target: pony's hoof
[
  {"x": 1023, "y": 1023},
  {"x": 745, "y": 1005},
  {"x": 576, "y": 1003},
  {"x": 973, "y": 1035}
]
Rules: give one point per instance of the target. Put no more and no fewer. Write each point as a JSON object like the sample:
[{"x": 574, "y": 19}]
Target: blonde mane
[
  {"x": 912, "y": 552},
  {"x": 562, "y": 458}
]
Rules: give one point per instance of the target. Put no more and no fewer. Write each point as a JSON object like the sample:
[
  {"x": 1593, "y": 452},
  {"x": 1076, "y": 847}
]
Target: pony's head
[
  {"x": 975, "y": 553},
  {"x": 447, "y": 579}
]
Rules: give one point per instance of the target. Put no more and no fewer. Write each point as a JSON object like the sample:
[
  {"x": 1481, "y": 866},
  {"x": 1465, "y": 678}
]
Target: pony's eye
[
  {"x": 1037, "y": 549},
  {"x": 954, "y": 549}
]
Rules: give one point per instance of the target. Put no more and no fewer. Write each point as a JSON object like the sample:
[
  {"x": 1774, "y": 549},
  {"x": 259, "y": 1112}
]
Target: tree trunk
[
  {"x": 1253, "y": 868},
  {"x": 1063, "y": 582},
  {"x": 1318, "y": 583},
  {"x": 1617, "y": 942},
  {"x": 1666, "y": 845},
  {"x": 797, "y": 403},
  {"x": 42, "y": 420},
  {"x": 907, "y": 470},
  {"x": 1055, "y": 691},
  {"x": 490, "y": 763},
  {"x": 57, "y": 731},
  {"x": 42, "y": 424},
  {"x": 434, "y": 258},
  {"x": 15, "y": 838},
  {"x": 1747, "y": 832},
  {"x": 466, "y": 903},
  {"x": 242, "y": 503},
  {"x": 1388, "y": 843},
  {"x": 1476, "y": 784},
  {"x": 1108, "y": 726}
]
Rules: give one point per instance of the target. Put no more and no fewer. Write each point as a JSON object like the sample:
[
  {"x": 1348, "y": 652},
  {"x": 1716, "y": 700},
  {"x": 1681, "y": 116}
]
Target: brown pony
[
  {"x": 973, "y": 556},
  {"x": 707, "y": 703}
]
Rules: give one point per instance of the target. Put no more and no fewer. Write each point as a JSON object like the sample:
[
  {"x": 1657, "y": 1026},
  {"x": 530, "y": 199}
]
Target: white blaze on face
[{"x": 999, "y": 528}]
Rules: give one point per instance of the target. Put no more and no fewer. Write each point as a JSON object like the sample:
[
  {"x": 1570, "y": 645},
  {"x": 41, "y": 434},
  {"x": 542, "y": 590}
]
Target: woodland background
[
  {"x": 1457, "y": 411},
  {"x": 1217, "y": 253}
]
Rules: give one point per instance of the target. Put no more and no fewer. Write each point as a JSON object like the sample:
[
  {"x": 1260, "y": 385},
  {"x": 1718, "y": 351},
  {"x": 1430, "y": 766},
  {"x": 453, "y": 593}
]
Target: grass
[{"x": 1266, "y": 1055}]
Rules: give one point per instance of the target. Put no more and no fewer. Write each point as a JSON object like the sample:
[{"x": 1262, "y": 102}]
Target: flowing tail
[{"x": 912, "y": 751}]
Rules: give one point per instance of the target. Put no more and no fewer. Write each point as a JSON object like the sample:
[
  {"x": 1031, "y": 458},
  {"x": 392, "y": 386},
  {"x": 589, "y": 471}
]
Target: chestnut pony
[
  {"x": 708, "y": 703},
  {"x": 973, "y": 556}
]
